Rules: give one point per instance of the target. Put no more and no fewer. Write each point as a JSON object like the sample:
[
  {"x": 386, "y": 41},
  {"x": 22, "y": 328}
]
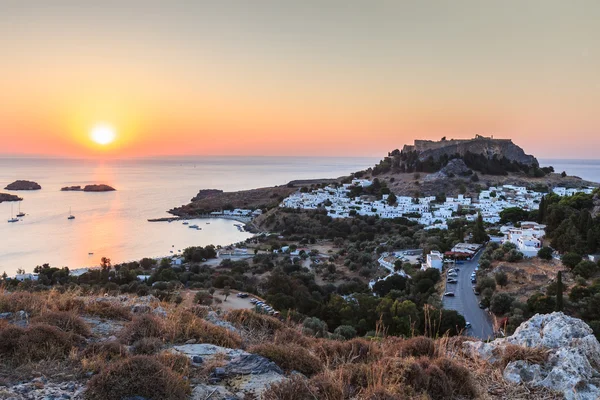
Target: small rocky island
[
  {"x": 9, "y": 197},
  {"x": 23, "y": 185},
  {"x": 88, "y": 188}
]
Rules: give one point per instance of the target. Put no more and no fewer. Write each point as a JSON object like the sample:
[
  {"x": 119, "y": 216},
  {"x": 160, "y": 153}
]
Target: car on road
[
  {"x": 468, "y": 325},
  {"x": 481, "y": 305},
  {"x": 452, "y": 280},
  {"x": 242, "y": 295},
  {"x": 449, "y": 294},
  {"x": 452, "y": 274},
  {"x": 475, "y": 291}
]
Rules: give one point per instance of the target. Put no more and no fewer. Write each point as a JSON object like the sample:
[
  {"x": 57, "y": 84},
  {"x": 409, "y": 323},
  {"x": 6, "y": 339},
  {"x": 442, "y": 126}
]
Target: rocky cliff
[
  {"x": 558, "y": 352},
  {"x": 488, "y": 147},
  {"x": 23, "y": 185}
]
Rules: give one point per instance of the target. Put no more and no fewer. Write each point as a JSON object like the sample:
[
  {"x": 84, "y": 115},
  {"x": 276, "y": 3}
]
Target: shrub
[
  {"x": 253, "y": 320},
  {"x": 290, "y": 335},
  {"x": 107, "y": 351},
  {"x": 459, "y": 378},
  {"x": 418, "y": 346},
  {"x": 66, "y": 321},
  {"x": 144, "y": 326},
  {"x": 295, "y": 388},
  {"x": 585, "y": 269},
  {"x": 332, "y": 352},
  {"x": 108, "y": 310},
  {"x": 514, "y": 256},
  {"x": 346, "y": 331},
  {"x": 199, "y": 311},
  {"x": 289, "y": 357},
  {"x": 313, "y": 326},
  {"x": 179, "y": 363},
  {"x": 147, "y": 346},
  {"x": 10, "y": 336},
  {"x": 45, "y": 342},
  {"x": 143, "y": 376}
]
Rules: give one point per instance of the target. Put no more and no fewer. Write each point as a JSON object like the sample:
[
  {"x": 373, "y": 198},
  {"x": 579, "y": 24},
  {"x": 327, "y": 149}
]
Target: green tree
[
  {"x": 346, "y": 331},
  {"x": 501, "y": 278},
  {"x": 226, "y": 292},
  {"x": 570, "y": 260},
  {"x": 513, "y": 215},
  {"x": 392, "y": 199},
  {"x": 500, "y": 303},
  {"x": 479, "y": 234},
  {"x": 545, "y": 253}
]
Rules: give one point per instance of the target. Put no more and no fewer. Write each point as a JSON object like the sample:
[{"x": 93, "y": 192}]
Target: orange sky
[{"x": 312, "y": 78}]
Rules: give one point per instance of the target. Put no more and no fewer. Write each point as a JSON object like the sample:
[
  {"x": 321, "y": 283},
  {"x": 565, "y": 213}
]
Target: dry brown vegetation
[
  {"x": 513, "y": 352},
  {"x": 381, "y": 368},
  {"x": 138, "y": 376}
]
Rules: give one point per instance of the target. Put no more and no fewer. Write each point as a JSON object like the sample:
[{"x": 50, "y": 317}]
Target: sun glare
[{"x": 103, "y": 134}]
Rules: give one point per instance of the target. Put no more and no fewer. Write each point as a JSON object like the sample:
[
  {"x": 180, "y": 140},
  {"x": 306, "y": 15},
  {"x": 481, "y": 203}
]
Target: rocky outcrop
[
  {"x": 204, "y": 193},
  {"x": 455, "y": 168},
  {"x": 88, "y": 188},
  {"x": 23, "y": 185},
  {"x": 488, "y": 147},
  {"x": 573, "y": 363},
  {"x": 9, "y": 197}
]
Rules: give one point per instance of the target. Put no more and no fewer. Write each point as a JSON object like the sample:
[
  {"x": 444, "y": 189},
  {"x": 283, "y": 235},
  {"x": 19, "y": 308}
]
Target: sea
[{"x": 114, "y": 224}]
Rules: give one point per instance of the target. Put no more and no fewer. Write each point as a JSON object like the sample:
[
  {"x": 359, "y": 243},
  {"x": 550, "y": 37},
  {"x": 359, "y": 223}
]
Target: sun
[{"x": 103, "y": 134}]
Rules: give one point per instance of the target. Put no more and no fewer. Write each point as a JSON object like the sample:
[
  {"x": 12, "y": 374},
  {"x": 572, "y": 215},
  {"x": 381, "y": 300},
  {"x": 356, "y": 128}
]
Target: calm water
[
  {"x": 585, "y": 169},
  {"x": 113, "y": 224}
]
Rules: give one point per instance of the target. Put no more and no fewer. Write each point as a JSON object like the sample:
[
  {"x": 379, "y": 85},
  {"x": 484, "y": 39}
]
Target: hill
[{"x": 77, "y": 346}]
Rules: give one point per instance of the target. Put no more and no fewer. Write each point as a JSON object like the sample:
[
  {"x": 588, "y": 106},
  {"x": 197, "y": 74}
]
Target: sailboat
[
  {"x": 71, "y": 216},
  {"x": 12, "y": 219},
  {"x": 20, "y": 213}
]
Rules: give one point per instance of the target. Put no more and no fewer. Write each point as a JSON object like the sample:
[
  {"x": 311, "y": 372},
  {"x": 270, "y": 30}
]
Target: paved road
[{"x": 466, "y": 303}]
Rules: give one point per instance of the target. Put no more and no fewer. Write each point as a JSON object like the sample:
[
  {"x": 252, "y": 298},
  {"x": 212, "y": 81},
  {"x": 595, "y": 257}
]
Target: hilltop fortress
[{"x": 487, "y": 146}]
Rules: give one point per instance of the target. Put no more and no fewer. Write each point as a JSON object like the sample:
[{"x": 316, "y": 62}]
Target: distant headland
[
  {"x": 23, "y": 185},
  {"x": 9, "y": 197},
  {"x": 88, "y": 188}
]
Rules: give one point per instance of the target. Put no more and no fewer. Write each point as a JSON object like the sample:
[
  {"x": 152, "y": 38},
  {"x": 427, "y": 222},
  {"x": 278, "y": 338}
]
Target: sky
[{"x": 282, "y": 77}]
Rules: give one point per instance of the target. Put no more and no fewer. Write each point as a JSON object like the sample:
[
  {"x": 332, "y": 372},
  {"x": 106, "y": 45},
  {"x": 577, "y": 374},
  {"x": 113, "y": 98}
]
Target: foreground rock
[
  {"x": 242, "y": 374},
  {"x": 9, "y": 197},
  {"x": 573, "y": 364},
  {"x": 88, "y": 188},
  {"x": 23, "y": 185},
  {"x": 41, "y": 388}
]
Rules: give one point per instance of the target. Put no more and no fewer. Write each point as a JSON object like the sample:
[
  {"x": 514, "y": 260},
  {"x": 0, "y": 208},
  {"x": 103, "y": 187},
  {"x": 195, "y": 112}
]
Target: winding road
[{"x": 466, "y": 303}]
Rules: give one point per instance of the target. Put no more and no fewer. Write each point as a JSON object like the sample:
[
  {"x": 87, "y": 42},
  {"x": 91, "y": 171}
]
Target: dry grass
[
  {"x": 144, "y": 326},
  {"x": 253, "y": 320},
  {"x": 107, "y": 310},
  {"x": 179, "y": 363},
  {"x": 289, "y": 357},
  {"x": 532, "y": 355},
  {"x": 147, "y": 346},
  {"x": 333, "y": 352},
  {"x": 199, "y": 311},
  {"x": 37, "y": 342},
  {"x": 96, "y": 355},
  {"x": 182, "y": 325},
  {"x": 66, "y": 321},
  {"x": 143, "y": 376}
]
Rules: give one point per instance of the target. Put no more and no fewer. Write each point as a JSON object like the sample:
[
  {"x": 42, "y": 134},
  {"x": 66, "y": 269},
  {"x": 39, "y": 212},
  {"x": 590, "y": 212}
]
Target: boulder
[
  {"x": 23, "y": 185},
  {"x": 213, "y": 318},
  {"x": 251, "y": 364},
  {"x": 573, "y": 364},
  {"x": 253, "y": 386},
  {"x": 206, "y": 351}
]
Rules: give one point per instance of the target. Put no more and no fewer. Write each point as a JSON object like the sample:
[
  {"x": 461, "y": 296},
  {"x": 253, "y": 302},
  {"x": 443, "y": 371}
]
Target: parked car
[
  {"x": 453, "y": 274},
  {"x": 452, "y": 280},
  {"x": 475, "y": 291},
  {"x": 468, "y": 325},
  {"x": 481, "y": 305},
  {"x": 449, "y": 294},
  {"x": 253, "y": 301},
  {"x": 242, "y": 295}
]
